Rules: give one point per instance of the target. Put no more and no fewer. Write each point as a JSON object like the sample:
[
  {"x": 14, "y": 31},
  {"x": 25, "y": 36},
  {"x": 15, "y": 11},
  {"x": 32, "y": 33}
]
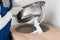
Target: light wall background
[{"x": 52, "y": 12}]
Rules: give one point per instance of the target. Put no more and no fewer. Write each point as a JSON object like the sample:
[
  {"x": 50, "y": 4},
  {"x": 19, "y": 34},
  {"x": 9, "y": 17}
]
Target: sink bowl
[{"x": 28, "y": 28}]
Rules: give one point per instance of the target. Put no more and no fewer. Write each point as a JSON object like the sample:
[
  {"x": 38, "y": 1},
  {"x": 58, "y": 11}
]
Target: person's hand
[{"x": 15, "y": 10}]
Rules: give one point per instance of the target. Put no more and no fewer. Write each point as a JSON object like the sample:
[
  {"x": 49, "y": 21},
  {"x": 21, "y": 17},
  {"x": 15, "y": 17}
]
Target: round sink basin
[{"x": 28, "y": 28}]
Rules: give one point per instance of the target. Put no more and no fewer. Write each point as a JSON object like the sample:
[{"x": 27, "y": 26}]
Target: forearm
[{"x": 4, "y": 20}]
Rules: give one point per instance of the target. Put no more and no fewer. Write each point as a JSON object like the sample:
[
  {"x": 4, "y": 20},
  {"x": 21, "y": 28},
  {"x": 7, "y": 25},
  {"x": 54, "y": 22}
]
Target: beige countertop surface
[{"x": 52, "y": 34}]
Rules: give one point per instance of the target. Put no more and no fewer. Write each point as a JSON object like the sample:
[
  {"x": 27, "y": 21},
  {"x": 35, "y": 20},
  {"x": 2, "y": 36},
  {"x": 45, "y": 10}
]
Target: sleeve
[{"x": 4, "y": 20}]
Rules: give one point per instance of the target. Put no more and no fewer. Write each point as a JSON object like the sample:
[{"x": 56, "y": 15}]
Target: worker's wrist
[{"x": 15, "y": 10}]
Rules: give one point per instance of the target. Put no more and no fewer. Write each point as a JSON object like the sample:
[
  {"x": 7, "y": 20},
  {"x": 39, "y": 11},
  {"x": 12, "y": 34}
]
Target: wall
[{"x": 52, "y": 11}]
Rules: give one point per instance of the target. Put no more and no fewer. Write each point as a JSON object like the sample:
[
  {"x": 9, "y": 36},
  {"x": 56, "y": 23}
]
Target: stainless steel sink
[{"x": 28, "y": 28}]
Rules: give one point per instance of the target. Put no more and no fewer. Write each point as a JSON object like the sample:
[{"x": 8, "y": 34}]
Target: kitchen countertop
[{"x": 52, "y": 34}]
